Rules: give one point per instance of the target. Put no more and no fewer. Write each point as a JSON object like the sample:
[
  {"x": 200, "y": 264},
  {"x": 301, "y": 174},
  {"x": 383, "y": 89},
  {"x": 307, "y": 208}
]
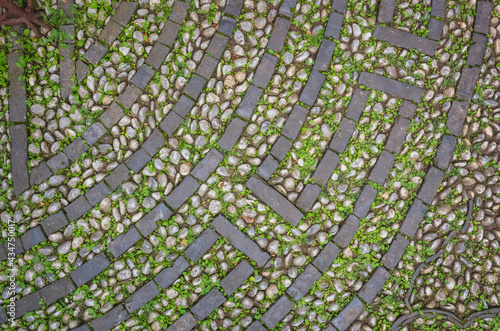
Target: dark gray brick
[
  {"x": 294, "y": 122},
  {"x": 70, "y": 30},
  {"x": 382, "y": 168},
  {"x": 169, "y": 275},
  {"x": 326, "y": 257},
  {"x": 303, "y": 283},
  {"x": 82, "y": 71},
  {"x": 169, "y": 33},
  {"x": 171, "y": 123},
  {"x": 201, "y": 245},
  {"x": 226, "y": 26},
  {"x": 456, "y": 117},
  {"x": 183, "y": 106},
  {"x": 84, "y": 327},
  {"x": 391, "y": 86},
  {"x": 32, "y": 237},
  {"x": 231, "y": 134},
  {"x": 54, "y": 223},
  {"x": 208, "y": 165},
  {"x": 185, "y": 323},
  {"x": 278, "y": 34},
  {"x": 467, "y": 82},
  {"x": 95, "y": 53},
  {"x": 330, "y": 327},
  {"x": 405, "y": 39},
  {"x": 438, "y": 8},
  {"x": 397, "y": 135},
  {"x": 325, "y": 54},
  {"x": 249, "y": 102},
  {"x": 66, "y": 71},
  {"x": 217, "y": 45},
  {"x": 342, "y": 135},
  {"x": 111, "y": 319},
  {"x": 57, "y": 290},
  {"x": 147, "y": 224},
  {"x": 275, "y": 200},
  {"x": 286, "y": 8},
  {"x": 15, "y": 247},
  {"x": 326, "y": 167},
  {"x": 445, "y": 151},
  {"x": 265, "y": 70},
  {"x": 233, "y": 7},
  {"x": 413, "y": 218},
  {"x": 308, "y": 197},
  {"x": 123, "y": 242},
  {"x": 207, "y": 66},
  {"x": 17, "y": 99},
  {"x": 3, "y": 254},
  {"x": 142, "y": 76},
  {"x": 27, "y": 303},
  {"x": 435, "y": 29},
  {"x": 268, "y": 167},
  {"x": 93, "y": 133},
  {"x": 364, "y": 202},
  {"x": 74, "y": 150},
  {"x": 19, "y": 158},
  {"x": 312, "y": 88},
  {"x": 407, "y": 109},
  {"x": 118, "y": 176},
  {"x": 476, "y": 51},
  {"x": 334, "y": 26},
  {"x": 357, "y": 104},
  {"x": 157, "y": 55},
  {"x": 110, "y": 32},
  {"x": 90, "y": 269},
  {"x": 280, "y": 148},
  {"x": 483, "y": 17},
  {"x": 40, "y": 173},
  {"x": 77, "y": 208},
  {"x": 124, "y": 12},
  {"x": 240, "y": 240},
  {"x": 179, "y": 12},
  {"x": 430, "y": 185},
  {"x": 395, "y": 253},
  {"x": 3, "y": 315},
  {"x": 182, "y": 192},
  {"x": 112, "y": 115},
  {"x": 374, "y": 285},
  {"x": 154, "y": 142},
  {"x": 138, "y": 160},
  {"x": 386, "y": 11},
  {"x": 236, "y": 277},
  {"x": 208, "y": 304},
  {"x": 194, "y": 86},
  {"x": 256, "y": 326},
  {"x": 142, "y": 296},
  {"x": 348, "y": 315},
  {"x": 59, "y": 161},
  {"x": 340, "y": 5},
  {"x": 97, "y": 193},
  {"x": 347, "y": 231},
  {"x": 277, "y": 311}
]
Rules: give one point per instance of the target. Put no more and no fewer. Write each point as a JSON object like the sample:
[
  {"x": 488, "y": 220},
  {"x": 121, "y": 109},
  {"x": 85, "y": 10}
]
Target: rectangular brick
[
  {"x": 391, "y": 86},
  {"x": 435, "y": 29},
  {"x": 374, "y": 285},
  {"x": 66, "y": 71},
  {"x": 93, "y": 133},
  {"x": 182, "y": 192},
  {"x": 268, "y": 167},
  {"x": 326, "y": 167},
  {"x": 233, "y": 7},
  {"x": 430, "y": 185},
  {"x": 207, "y": 66},
  {"x": 236, "y": 277},
  {"x": 342, "y": 135},
  {"x": 201, "y": 245},
  {"x": 407, "y": 109},
  {"x": 231, "y": 134},
  {"x": 110, "y": 32},
  {"x": 348, "y": 315},
  {"x": 147, "y": 224},
  {"x": 97, "y": 193},
  {"x": 405, "y": 39},
  {"x": 138, "y": 160},
  {"x": 185, "y": 323},
  {"x": 280, "y": 148},
  {"x": 154, "y": 142},
  {"x": 413, "y": 218},
  {"x": 240, "y": 240},
  {"x": 157, "y": 54},
  {"x": 312, "y": 88},
  {"x": 278, "y": 34},
  {"x": 82, "y": 71},
  {"x": 70, "y": 30},
  {"x": 303, "y": 283},
  {"x": 456, "y": 117},
  {"x": 117, "y": 176},
  {"x": 467, "y": 82},
  {"x": 256, "y": 326},
  {"x": 124, "y": 12},
  {"x": 77, "y": 208},
  {"x": 169, "y": 275},
  {"x": 57, "y": 290},
  {"x": 112, "y": 115},
  {"x": 15, "y": 247},
  {"x": 438, "y": 8},
  {"x": 476, "y": 51},
  {"x": 324, "y": 56},
  {"x": 274, "y": 200},
  {"x": 217, "y": 45},
  {"x": 340, "y": 5},
  {"x": 308, "y": 196},
  {"x": 19, "y": 158},
  {"x": 194, "y": 86},
  {"x": 347, "y": 231},
  {"x": 95, "y": 53},
  {"x": 249, "y": 102},
  {"x": 40, "y": 173},
  {"x": 208, "y": 165},
  {"x": 57, "y": 162},
  {"x": 123, "y": 242},
  {"x": 277, "y": 311},
  {"x": 32, "y": 237},
  {"x": 294, "y": 122},
  {"x": 227, "y": 25},
  {"x": 74, "y": 150},
  {"x": 386, "y": 11},
  {"x": 395, "y": 253},
  {"x": 179, "y": 12},
  {"x": 265, "y": 70},
  {"x": 111, "y": 319},
  {"x": 364, "y": 202},
  {"x": 208, "y": 304},
  {"x": 326, "y": 257},
  {"x": 90, "y": 269},
  {"x": 286, "y": 8},
  {"x": 397, "y": 135},
  {"x": 334, "y": 26},
  {"x": 171, "y": 123},
  {"x": 382, "y": 168},
  {"x": 483, "y": 17},
  {"x": 445, "y": 151},
  {"x": 54, "y": 223},
  {"x": 142, "y": 76},
  {"x": 357, "y": 104},
  {"x": 84, "y": 327},
  {"x": 142, "y": 296},
  {"x": 27, "y": 303},
  {"x": 17, "y": 91},
  {"x": 169, "y": 33}
]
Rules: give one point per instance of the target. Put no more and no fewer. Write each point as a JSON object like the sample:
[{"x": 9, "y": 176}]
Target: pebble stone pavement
[{"x": 264, "y": 184}]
